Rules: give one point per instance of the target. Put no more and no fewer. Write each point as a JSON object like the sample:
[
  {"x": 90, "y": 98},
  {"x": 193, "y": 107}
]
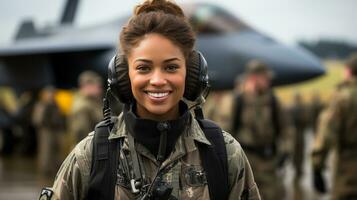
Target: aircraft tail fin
[
  {"x": 69, "y": 12},
  {"x": 26, "y": 30}
]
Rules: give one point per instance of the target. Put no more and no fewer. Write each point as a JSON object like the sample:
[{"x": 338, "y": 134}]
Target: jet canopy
[{"x": 212, "y": 19}]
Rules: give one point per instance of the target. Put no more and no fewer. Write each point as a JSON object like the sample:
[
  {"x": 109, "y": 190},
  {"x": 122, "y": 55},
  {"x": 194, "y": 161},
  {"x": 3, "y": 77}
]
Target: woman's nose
[{"x": 158, "y": 78}]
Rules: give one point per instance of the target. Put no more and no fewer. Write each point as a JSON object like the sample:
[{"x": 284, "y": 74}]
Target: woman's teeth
[{"x": 158, "y": 95}]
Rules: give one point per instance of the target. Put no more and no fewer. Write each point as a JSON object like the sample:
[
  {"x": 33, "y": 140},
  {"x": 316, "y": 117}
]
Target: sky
[{"x": 287, "y": 21}]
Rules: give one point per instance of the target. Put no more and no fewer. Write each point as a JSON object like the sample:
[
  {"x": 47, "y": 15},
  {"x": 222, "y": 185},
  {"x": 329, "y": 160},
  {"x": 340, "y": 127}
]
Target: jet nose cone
[
  {"x": 227, "y": 55},
  {"x": 289, "y": 64},
  {"x": 293, "y": 64}
]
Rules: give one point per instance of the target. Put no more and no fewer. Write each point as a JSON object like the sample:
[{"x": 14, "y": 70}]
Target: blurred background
[{"x": 48, "y": 44}]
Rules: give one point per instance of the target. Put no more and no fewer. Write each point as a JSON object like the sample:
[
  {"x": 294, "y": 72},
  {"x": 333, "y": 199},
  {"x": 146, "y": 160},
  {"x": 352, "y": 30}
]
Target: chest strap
[
  {"x": 214, "y": 160},
  {"x": 104, "y": 164}
]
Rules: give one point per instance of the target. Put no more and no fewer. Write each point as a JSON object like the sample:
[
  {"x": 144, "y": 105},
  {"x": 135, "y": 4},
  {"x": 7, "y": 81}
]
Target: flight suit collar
[
  {"x": 119, "y": 129},
  {"x": 186, "y": 142},
  {"x": 148, "y": 132}
]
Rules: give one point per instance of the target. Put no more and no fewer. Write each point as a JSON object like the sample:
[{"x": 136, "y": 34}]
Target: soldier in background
[
  {"x": 298, "y": 113},
  {"x": 338, "y": 130},
  {"x": 86, "y": 109},
  {"x": 258, "y": 124},
  {"x": 50, "y": 124}
]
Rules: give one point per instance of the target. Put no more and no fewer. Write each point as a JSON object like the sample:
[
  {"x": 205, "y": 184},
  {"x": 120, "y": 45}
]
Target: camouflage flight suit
[
  {"x": 338, "y": 130},
  {"x": 86, "y": 112},
  {"x": 72, "y": 179},
  {"x": 262, "y": 145}
]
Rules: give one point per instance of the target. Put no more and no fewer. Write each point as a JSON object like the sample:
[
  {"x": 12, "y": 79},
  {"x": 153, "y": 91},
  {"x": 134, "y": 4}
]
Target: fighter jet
[{"x": 56, "y": 55}]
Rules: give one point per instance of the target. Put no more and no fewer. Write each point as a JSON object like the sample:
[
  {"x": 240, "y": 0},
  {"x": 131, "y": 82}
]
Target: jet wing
[
  {"x": 64, "y": 41},
  {"x": 52, "y": 47},
  {"x": 57, "y": 56}
]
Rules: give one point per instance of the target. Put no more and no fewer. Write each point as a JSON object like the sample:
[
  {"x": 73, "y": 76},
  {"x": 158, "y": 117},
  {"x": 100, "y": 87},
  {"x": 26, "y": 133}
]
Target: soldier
[
  {"x": 86, "y": 109},
  {"x": 49, "y": 122},
  {"x": 164, "y": 151},
  {"x": 298, "y": 115},
  {"x": 337, "y": 130},
  {"x": 258, "y": 124}
]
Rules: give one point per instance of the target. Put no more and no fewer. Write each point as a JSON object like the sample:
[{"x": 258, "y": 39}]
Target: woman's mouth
[{"x": 158, "y": 94}]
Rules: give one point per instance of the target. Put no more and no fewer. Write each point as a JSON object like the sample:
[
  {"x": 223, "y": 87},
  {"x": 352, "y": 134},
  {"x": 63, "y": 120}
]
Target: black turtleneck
[{"x": 147, "y": 132}]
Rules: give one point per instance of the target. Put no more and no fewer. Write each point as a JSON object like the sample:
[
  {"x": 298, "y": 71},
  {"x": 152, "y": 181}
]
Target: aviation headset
[{"x": 196, "y": 82}]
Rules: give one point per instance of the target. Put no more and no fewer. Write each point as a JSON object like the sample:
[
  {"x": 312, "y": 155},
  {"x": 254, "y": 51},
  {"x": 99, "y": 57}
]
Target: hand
[{"x": 319, "y": 181}]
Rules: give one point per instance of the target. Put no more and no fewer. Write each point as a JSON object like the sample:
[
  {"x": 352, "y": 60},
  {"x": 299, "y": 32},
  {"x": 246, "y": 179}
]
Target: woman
[{"x": 159, "y": 137}]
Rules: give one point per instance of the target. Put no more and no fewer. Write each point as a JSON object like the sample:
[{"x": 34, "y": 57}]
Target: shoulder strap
[
  {"x": 214, "y": 160},
  {"x": 104, "y": 163}
]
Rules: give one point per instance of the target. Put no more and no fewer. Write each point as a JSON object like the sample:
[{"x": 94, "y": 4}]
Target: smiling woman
[
  {"x": 157, "y": 74},
  {"x": 157, "y": 148}
]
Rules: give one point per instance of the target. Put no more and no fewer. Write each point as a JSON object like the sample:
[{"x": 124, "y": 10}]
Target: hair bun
[{"x": 165, "y": 6}]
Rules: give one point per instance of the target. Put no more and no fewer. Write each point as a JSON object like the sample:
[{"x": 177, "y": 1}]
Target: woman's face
[{"x": 157, "y": 72}]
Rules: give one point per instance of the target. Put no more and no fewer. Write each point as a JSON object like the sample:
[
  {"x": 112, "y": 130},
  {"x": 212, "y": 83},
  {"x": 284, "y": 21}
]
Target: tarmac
[{"x": 20, "y": 179}]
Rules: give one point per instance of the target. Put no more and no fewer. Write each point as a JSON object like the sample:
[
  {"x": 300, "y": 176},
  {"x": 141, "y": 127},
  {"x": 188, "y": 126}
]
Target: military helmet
[
  {"x": 89, "y": 77},
  {"x": 352, "y": 63},
  {"x": 258, "y": 67}
]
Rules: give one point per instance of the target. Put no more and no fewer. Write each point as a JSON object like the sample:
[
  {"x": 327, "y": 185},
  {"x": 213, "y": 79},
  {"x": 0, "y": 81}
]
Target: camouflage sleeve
[
  {"x": 72, "y": 179},
  {"x": 240, "y": 175},
  {"x": 329, "y": 125}
]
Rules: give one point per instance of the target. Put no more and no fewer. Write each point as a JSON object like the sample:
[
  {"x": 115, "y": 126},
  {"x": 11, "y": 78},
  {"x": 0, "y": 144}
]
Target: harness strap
[
  {"x": 214, "y": 160},
  {"x": 104, "y": 164}
]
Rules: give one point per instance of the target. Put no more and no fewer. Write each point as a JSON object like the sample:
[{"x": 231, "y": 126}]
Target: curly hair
[{"x": 158, "y": 16}]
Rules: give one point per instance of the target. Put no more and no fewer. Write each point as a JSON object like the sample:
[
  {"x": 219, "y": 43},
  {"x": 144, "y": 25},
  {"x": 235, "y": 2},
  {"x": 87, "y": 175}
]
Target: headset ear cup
[
  {"x": 120, "y": 82},
  {"x": 196, "y": 76},
  {"x": 112, "y": 77}
]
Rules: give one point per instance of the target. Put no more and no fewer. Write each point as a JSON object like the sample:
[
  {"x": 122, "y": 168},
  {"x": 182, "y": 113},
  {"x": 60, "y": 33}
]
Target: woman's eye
[
  {"x": 143, "y": 68},
  {"x": 172, "y": 68}
]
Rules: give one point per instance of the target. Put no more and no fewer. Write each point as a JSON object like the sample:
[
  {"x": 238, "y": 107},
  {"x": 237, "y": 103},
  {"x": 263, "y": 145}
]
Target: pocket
[
  {"x": 193, "y": 183},
  {"x": 193, "y": 176}
]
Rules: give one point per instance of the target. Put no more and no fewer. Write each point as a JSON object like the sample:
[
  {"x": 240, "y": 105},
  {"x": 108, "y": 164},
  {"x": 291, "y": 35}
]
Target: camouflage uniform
[
  {"x": 85, "y": 114},
  {"x": 260, "y": 125},
  {"x": 337, "y": 130},
  {"x": 72, "y": 179},
  {"x": 261, "y": 143},
  {"x": 86, "y": 110}
]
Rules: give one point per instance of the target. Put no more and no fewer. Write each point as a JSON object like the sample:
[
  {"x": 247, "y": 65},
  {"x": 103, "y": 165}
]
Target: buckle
[{"x": 135, "y": 186}]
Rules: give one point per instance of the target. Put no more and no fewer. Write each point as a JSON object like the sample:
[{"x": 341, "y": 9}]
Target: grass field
[{"x": 324, "y": 85}]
